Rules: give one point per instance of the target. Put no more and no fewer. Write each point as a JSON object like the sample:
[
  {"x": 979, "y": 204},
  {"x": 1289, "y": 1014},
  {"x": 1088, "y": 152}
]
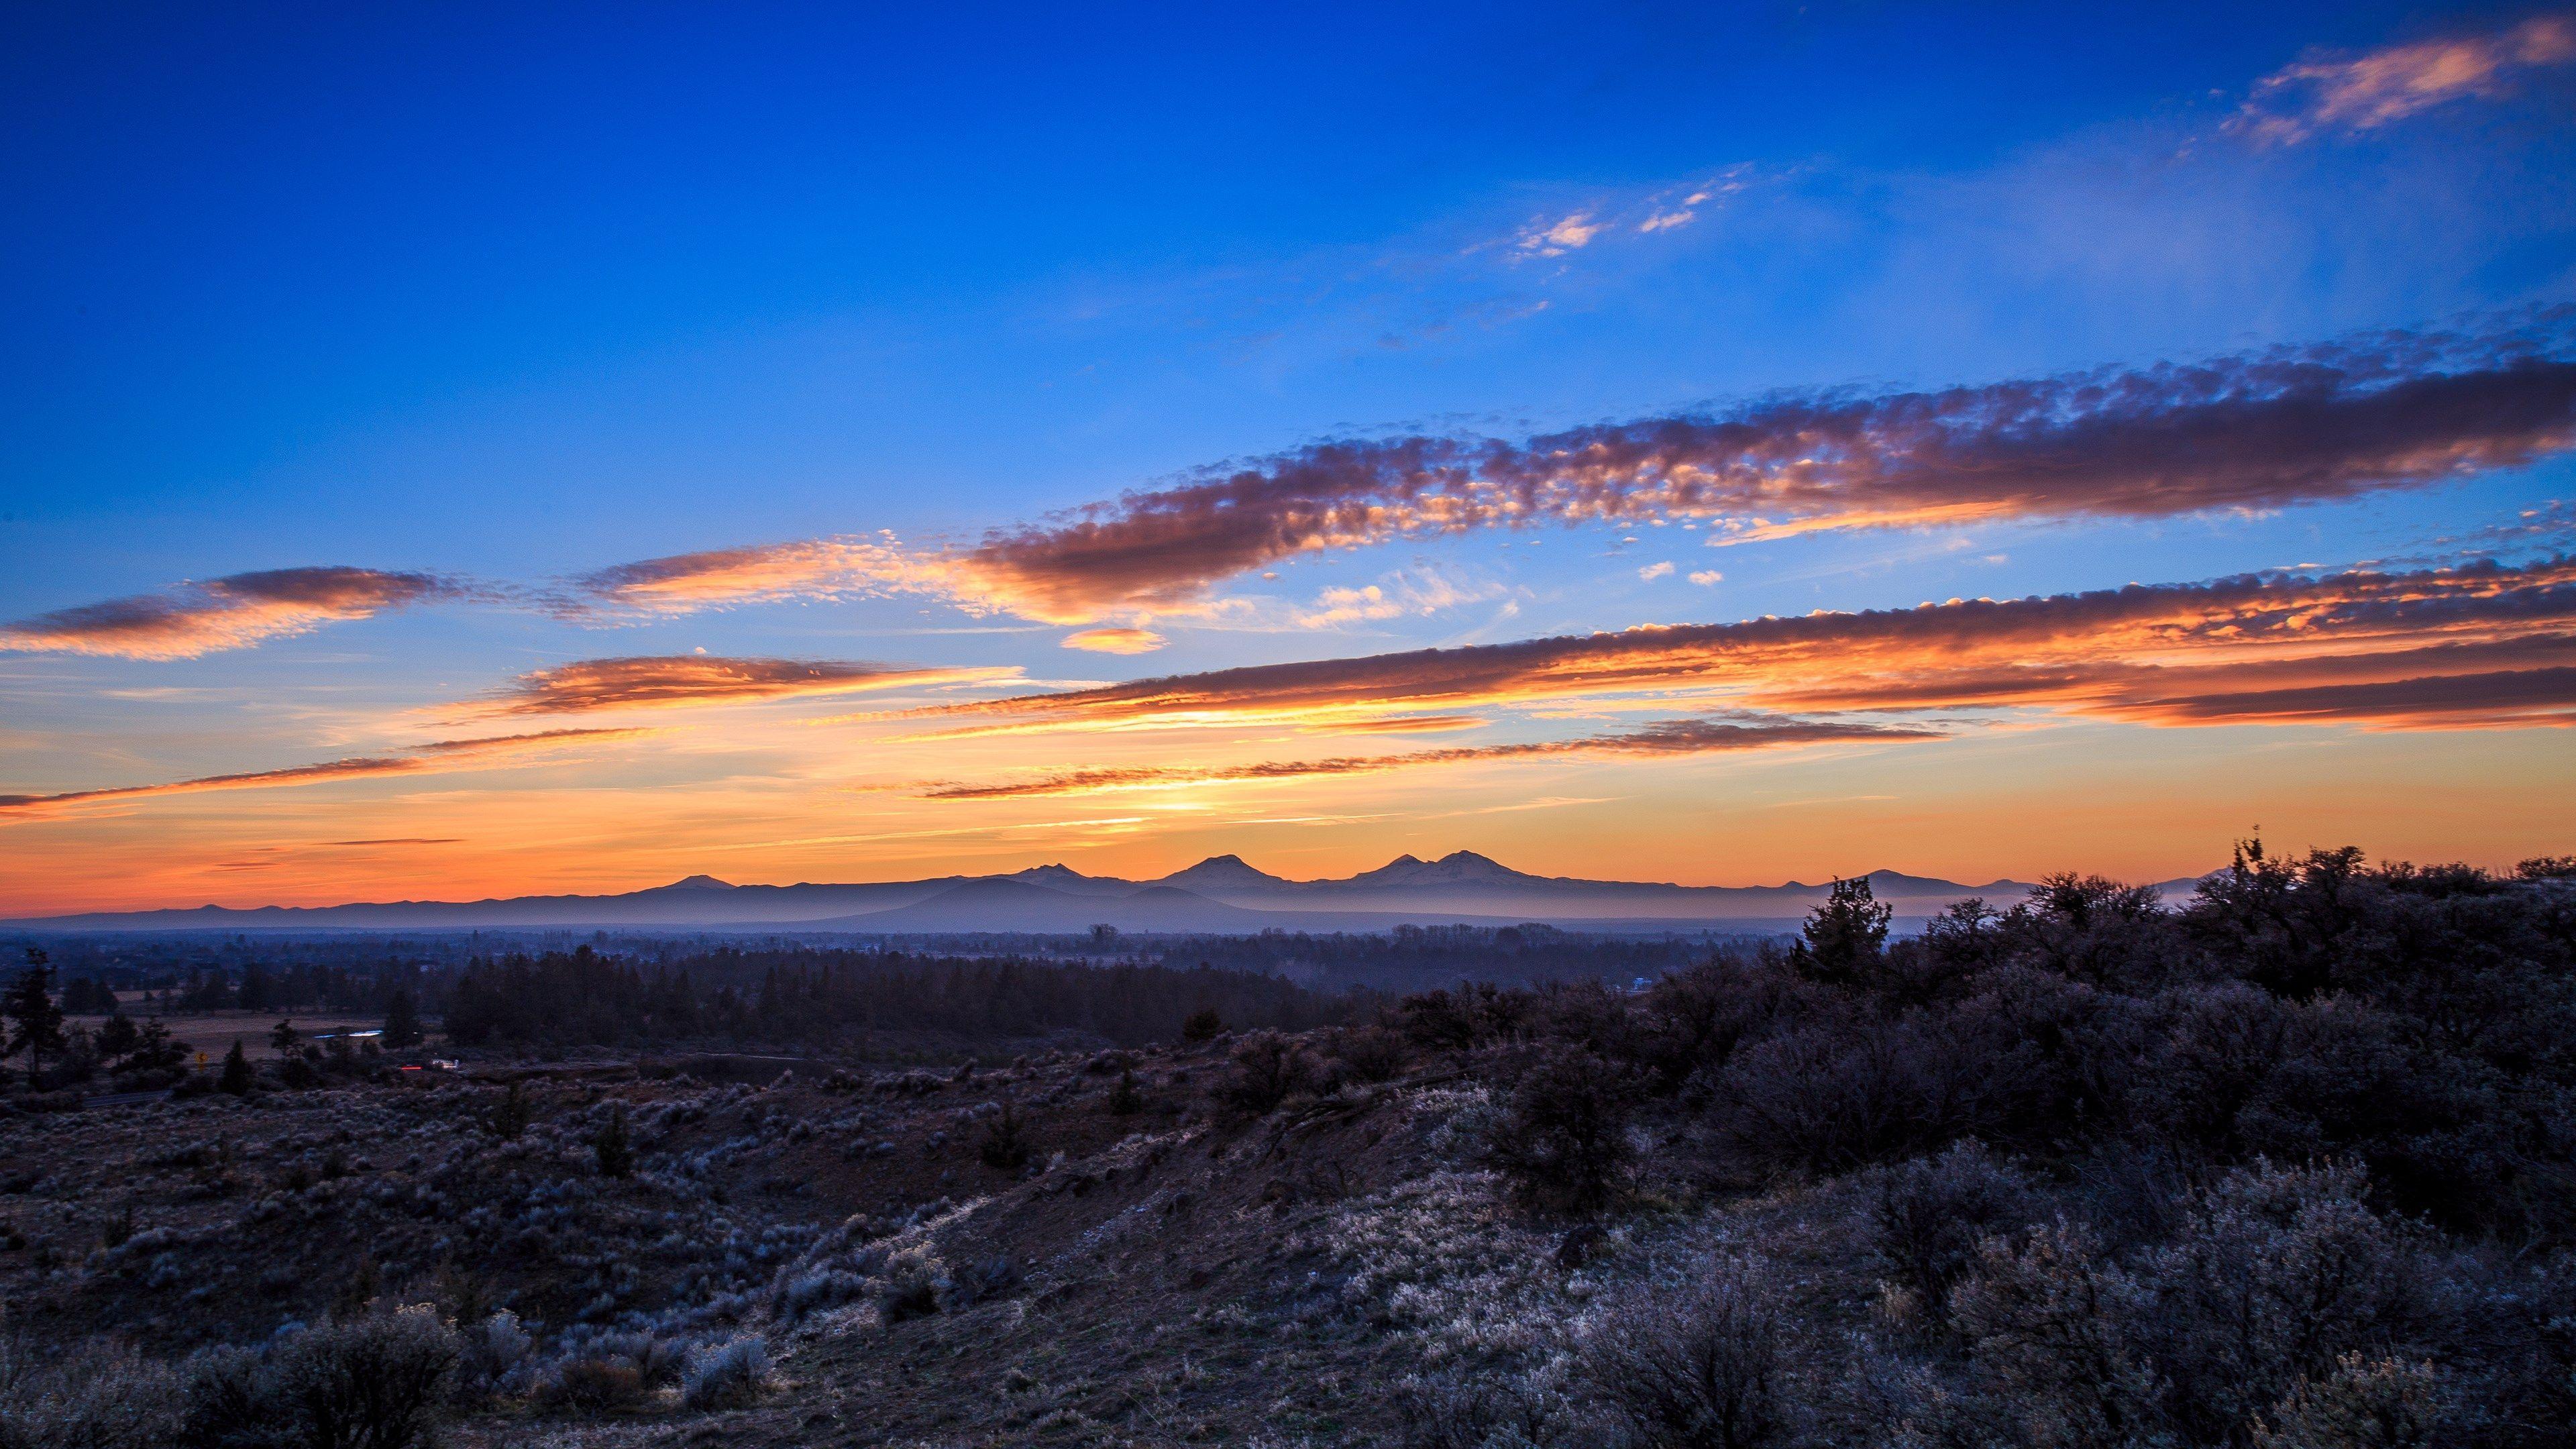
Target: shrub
[
  {"x": 2278, "y": 1273},
  {"x": 1828, "y": 1099},
  {"x": 977, "y": 1279},
  {"x": 1006, "y": 1142},
  {"x": 802, "y": 1295},
  {"x": 1202, "y": 1025},
  {"x": 729, "y": 1375},
  {"x": 2055, "y": 1331},
  {"x": 1125, "y": 1100},
  {"x": 1564, "y": 1140},
  {"x": 611, "y": 1146},
  {"x": 910, "y": 1285},
  {"x": 1700, "y": 1365},
  {"x": 589, "y": 1385},
  {"x": 96, "y": 1396},
  {"x": 1479, "y": 1413},
  {"x": 369, "y": 1383},
  {"x": 1369, "y": 1053},
  {"x": 2363, "y": 1404},
  {"x": 1927, "y": 1217},
  {"x": 489, "y": 1350},
  {"x": 1268, "y": 1069},
  {"x": 511, "y": 1115}
]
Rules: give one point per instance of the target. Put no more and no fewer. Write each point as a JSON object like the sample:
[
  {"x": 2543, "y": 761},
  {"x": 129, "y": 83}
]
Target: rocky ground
[{"x": 1157, "y": 1269}]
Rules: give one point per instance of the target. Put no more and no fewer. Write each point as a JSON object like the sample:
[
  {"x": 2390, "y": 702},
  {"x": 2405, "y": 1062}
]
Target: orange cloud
[
  {"x": 2439, "y": 701},
  {"x": 823, "y": 568},
  {"x": 228, "y": 613},
  {"x": 1401, "y": 724},
  {"x": 2110, "y": 652},
  {"x": 2246, "y": 432},
  {"x": 1663, "y": 737},
  {"x": 651, "y": 681},
  {"x": 1115, "y": 640},
  {"x": 437, "y": 756},
  {"x": 2364, "y": 92}
]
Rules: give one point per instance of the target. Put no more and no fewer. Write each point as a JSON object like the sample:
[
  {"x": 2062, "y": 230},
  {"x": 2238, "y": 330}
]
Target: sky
[{"x": 450, "y": 452}]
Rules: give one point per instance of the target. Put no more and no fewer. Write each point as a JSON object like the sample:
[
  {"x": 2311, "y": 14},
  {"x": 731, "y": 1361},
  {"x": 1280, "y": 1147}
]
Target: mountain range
[{"x": 1222, "y": 894}]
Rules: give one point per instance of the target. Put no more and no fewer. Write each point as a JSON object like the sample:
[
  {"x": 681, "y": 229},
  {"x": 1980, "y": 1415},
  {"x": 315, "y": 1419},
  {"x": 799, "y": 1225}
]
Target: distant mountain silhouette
[
  {"x": 1223, "y": 893},
  {"x": 1219, "y": 873}
]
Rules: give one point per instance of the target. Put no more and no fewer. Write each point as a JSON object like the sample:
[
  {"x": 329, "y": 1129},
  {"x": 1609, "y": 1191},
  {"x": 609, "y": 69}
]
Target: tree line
[{"x": 814, "y": 997}]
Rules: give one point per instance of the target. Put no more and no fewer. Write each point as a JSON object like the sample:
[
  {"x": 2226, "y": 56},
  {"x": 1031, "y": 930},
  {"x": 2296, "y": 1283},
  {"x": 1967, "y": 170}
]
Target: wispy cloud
[
  {"x": 437, "y": 756},
  {"x": 1405, "y": 594},
  {"x": 233, "y": 612},
  {"x": 1555, "y": 238},
  {"x": 2357, "y": 93},
  {"x": 1662, "y": 738},
  {"x": 662, "y": 680},
  {"x": 1663, "y": 209},
  {"x": 2119, "y": 652}
]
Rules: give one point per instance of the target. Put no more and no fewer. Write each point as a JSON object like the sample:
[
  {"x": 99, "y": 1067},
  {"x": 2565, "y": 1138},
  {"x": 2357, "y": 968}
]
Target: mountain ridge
[{"x": 1233, "y": 894}]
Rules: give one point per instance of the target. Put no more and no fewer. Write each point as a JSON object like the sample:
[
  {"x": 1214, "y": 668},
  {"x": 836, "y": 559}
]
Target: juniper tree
[
  {"x": 236, "y": 1077},
  {"x": 117, "y": 1036},
  {"x": 402, "y": 1020},
  {"x": 1845, "y": 939},
  {"x": 37, "y": 1022}
]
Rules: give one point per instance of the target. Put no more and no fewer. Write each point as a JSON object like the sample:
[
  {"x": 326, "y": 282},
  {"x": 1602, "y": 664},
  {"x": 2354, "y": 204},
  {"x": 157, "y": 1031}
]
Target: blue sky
[{"x": 513, "y": 297}]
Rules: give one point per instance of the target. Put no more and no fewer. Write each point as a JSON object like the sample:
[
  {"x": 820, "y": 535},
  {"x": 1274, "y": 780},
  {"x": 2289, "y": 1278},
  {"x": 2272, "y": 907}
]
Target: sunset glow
[{"x": 1688, "y": 492}]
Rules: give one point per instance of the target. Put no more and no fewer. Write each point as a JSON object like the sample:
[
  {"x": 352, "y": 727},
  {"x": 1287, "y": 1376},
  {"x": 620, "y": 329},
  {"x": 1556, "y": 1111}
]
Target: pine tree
[
  {"x": 236, "y": 1077},
  {"x": 283, "y": 1038},
  {"x": 1846, "y": 937},
  {"x": 1124, "y": 1099},
  {"x": 153, "y": 1048},
  {"x": 402, "y": 1021},
  {"x": 117, "y": 1036},
  {"x": 30, "y": 1007}
]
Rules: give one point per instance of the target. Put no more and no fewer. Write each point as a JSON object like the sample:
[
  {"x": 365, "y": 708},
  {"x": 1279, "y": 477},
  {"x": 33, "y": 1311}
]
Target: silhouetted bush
[
  {"x": 1368, "y": 1053},
  {"x": 1564, "y": 1139},
  {"x": 1268, "y": 1069}
]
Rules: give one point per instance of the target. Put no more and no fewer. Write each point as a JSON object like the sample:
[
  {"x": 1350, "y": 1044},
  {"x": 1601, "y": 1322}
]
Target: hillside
[{"x": 2291, "y": 1160}]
